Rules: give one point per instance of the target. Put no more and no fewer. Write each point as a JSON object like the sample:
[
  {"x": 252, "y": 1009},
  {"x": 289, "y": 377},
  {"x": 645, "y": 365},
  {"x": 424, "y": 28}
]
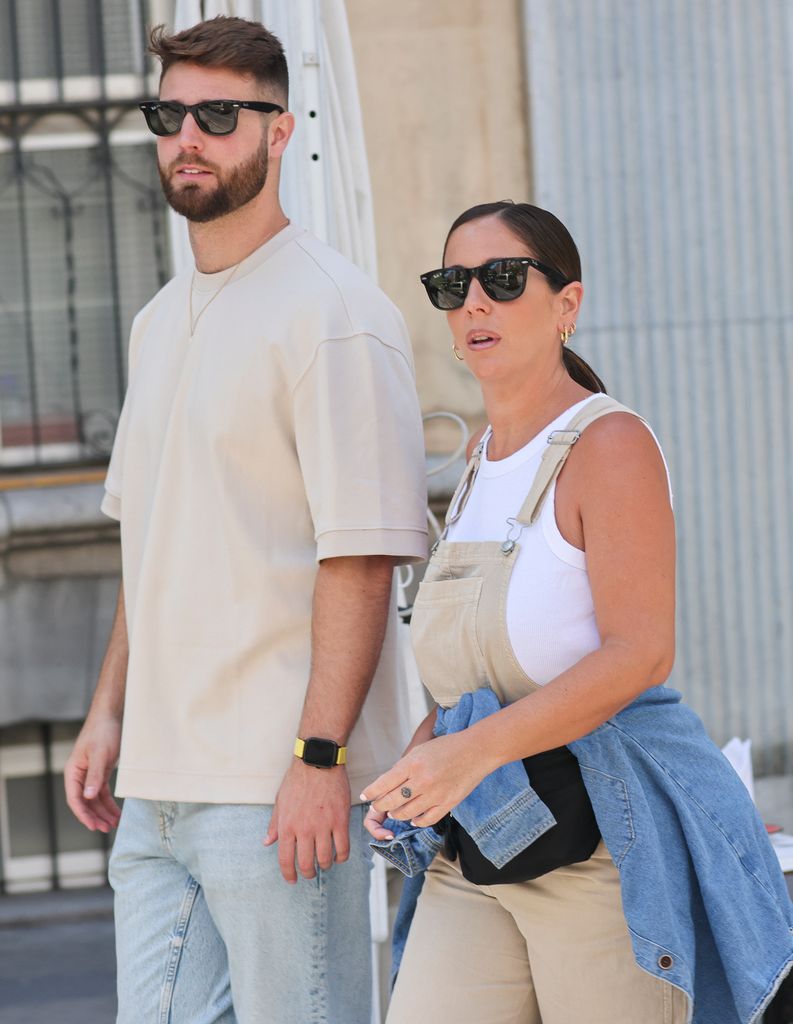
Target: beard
[{"x": 233, "y": 189}]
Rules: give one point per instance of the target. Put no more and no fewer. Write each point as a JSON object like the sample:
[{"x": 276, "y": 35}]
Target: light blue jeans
[{"x": 208, "y": 932}]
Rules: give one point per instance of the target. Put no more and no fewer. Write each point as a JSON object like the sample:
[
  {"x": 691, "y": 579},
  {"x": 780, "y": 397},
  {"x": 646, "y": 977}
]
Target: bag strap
[{"x": 560, "y": 444}]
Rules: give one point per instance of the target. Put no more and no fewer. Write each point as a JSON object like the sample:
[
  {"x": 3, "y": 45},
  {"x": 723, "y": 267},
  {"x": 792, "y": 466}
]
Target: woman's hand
[
  {"x": 427, "y": 782},
  {"x": 373, "y": 823}
]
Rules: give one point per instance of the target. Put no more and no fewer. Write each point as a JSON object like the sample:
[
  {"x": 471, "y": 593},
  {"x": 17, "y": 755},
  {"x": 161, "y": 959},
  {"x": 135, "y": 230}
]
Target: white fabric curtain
[{"x": 325, "y": 182}]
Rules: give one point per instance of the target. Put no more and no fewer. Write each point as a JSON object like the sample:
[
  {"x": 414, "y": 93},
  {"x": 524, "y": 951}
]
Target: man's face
[{"x": 205, "y": 176}]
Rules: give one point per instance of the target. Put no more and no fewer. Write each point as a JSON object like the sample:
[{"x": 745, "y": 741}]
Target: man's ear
[{"x": 279, "y": 133}]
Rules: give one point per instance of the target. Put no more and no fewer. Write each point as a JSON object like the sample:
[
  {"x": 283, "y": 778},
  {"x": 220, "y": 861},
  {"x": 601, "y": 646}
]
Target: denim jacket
[
  {"x": 503, "y": 814},
  {"x": 703, "y": 895}
]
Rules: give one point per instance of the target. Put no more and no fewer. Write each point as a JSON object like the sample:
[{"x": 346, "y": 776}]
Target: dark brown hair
[
  {"x": 222, "y": 42},
  {"x": 549, "y": 241}
]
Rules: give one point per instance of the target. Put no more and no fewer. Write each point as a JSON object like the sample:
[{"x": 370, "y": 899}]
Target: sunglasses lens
[
  {"x": 164, "y": 119},
  {"x": 447, "y": 288},
  {"x": 217, "y": 118},
  {"x": 503, "y": 279}
]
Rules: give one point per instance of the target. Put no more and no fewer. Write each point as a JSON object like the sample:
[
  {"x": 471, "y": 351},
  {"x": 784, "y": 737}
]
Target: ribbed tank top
[{"x": 550, "y": 612}]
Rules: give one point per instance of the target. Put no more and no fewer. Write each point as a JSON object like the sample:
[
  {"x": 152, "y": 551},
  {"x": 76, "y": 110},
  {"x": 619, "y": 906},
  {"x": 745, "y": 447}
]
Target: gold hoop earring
[
  {"x": 566, "y": 333},
  {"x": 456, "y": 352}
]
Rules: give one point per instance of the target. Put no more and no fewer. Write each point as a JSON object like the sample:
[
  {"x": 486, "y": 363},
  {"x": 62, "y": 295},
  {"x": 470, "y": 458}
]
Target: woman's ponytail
[{"x": 581, "y": 372}]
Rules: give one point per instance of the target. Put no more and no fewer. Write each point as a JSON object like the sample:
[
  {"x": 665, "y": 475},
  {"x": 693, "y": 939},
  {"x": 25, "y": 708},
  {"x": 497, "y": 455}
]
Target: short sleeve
[
  {"x": 361, "y": 449},
  {"x": 111, "y": 502}
]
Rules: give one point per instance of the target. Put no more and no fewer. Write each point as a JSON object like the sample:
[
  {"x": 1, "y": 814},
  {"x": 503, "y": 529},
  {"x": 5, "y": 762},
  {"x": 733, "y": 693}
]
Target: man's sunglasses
[
  {"x": 215, "y": 117},
  {"x": 502, "y": 280}
]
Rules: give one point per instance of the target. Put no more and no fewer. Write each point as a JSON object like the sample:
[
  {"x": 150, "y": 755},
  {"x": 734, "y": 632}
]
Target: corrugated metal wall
[{"x": 662, "y": 135}]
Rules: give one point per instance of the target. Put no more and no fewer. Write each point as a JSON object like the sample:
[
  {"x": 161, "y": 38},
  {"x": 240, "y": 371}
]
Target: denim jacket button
[{"x": 665, "y": 962}]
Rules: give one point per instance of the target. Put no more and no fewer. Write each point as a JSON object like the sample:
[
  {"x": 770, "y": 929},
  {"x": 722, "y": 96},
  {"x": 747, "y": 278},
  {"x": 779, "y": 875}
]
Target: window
[
  {"x": 41, "y": 843},
  {"x": 82, "y": 219}
]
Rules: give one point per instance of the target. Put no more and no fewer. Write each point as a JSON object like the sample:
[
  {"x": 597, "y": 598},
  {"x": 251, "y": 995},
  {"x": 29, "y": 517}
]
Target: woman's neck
[{"x": 518, "y": 413}]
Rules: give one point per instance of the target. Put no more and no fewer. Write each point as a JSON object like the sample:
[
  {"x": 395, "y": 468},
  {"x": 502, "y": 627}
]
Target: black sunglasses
[
  {"x": 502, "y": 280},
  {"x": 215, "y": 117}
]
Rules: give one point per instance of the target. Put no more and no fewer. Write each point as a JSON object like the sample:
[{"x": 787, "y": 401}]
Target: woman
[{"x": 655, "y": 894}]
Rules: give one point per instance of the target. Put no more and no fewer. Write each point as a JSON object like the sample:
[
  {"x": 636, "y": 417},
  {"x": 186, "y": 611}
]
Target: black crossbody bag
[{"x": 555, "y": 776}]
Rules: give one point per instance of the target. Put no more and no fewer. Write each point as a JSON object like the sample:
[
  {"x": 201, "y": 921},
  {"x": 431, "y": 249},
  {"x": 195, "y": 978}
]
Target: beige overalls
[{"x": 554, "y": 950}]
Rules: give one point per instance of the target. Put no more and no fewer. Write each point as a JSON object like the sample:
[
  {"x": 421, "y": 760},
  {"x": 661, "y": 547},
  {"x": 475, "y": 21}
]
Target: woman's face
[{"x": 500, "y": 339}]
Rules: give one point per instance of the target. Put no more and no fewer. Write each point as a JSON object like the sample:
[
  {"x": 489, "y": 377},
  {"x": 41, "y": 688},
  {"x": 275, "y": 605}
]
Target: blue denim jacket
[
  {"x": 704, "y": 898},
  {"x": 503, "y": 814}
]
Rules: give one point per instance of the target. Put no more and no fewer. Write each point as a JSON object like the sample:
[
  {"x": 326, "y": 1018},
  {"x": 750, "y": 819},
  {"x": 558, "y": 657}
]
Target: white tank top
[{"x": 550, "y": 612}]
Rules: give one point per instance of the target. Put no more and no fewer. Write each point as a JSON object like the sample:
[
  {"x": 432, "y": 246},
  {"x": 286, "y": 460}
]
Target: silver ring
[{"x": 406, "y": 792}]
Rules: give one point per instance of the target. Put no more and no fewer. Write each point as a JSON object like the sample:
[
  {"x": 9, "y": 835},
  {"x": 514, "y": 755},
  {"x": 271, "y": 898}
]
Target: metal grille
[{"x": 82, "y": 219}]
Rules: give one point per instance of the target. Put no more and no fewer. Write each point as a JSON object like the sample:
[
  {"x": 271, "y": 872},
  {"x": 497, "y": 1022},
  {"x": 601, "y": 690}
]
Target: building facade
[{"x": 663, "y": 138}]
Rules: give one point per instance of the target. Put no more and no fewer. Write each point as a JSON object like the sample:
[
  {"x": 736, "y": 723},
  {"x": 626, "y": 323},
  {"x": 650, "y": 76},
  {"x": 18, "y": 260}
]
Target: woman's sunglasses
[
  {"x": 502, "y": 280},
  {"x": 215, "y": 117}
]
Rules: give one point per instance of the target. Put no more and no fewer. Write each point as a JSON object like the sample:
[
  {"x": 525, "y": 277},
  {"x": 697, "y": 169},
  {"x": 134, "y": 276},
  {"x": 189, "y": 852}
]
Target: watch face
[{"x": 320, "y": 753}]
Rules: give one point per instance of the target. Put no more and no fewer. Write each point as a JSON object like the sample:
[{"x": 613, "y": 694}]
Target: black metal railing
[{"x": 83, "y": 223}]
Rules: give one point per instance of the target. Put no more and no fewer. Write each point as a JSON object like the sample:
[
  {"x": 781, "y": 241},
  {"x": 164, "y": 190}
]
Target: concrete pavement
[{"x": 57, "y": 958}]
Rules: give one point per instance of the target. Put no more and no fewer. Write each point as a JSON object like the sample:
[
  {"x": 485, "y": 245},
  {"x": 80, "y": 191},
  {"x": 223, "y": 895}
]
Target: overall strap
[
  {"x": 560, "y": 444},
  {"x": 463, "y": 489}
]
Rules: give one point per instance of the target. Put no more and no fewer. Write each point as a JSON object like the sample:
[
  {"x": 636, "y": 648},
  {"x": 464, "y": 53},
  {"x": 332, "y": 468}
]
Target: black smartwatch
[{"x": 320, "y": 753}]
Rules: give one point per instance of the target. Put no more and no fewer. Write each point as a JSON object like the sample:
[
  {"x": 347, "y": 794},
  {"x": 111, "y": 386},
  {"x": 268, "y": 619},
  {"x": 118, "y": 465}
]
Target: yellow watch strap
[{"x": 300, "y": 746}]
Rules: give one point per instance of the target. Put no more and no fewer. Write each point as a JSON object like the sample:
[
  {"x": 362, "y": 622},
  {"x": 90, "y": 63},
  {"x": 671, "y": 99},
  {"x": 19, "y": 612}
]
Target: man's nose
[{"x": 190, "y": 135}]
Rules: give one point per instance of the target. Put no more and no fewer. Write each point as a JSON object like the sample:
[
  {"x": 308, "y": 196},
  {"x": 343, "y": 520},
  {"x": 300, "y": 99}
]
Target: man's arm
[
  {"x": 312, "y": 810},
  {"x": 96, "y": 749}
]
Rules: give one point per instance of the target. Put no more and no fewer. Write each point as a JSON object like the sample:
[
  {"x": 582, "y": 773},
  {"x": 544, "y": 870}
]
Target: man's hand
[
  {"x": 87, "y": 771},
  {"x": 311, "y": 817},
  {"x": 95, "y": 753},
  {"x": 311, "y": 820}
]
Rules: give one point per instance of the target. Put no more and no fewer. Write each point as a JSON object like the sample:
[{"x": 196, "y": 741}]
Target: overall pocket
[{"x": 443, "y": 633}]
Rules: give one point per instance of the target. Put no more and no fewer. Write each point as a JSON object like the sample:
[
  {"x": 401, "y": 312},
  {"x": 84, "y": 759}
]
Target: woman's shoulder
[
  {"x": 618, "y": 432},
  {"x": 619, "y": 447}
]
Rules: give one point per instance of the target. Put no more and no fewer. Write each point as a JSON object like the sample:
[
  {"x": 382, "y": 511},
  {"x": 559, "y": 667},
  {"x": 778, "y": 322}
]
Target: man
[{"x": 268, "y": 474}]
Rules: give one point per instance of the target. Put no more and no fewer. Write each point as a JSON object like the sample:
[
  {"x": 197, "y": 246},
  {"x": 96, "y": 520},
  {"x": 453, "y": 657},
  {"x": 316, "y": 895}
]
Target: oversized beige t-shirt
[{"x": 285, "y": 431}]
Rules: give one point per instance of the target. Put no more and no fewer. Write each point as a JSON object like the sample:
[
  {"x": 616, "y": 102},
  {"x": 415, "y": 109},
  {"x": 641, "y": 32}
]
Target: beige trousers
[{"x": 552, "y": 951}]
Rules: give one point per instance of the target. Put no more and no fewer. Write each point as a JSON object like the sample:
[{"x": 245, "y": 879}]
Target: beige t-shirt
[{"x": 285, "y": 431}]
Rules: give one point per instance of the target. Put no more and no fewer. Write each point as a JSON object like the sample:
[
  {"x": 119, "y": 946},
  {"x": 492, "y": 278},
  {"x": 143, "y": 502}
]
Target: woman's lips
[{"x": 478, "y": 341}]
